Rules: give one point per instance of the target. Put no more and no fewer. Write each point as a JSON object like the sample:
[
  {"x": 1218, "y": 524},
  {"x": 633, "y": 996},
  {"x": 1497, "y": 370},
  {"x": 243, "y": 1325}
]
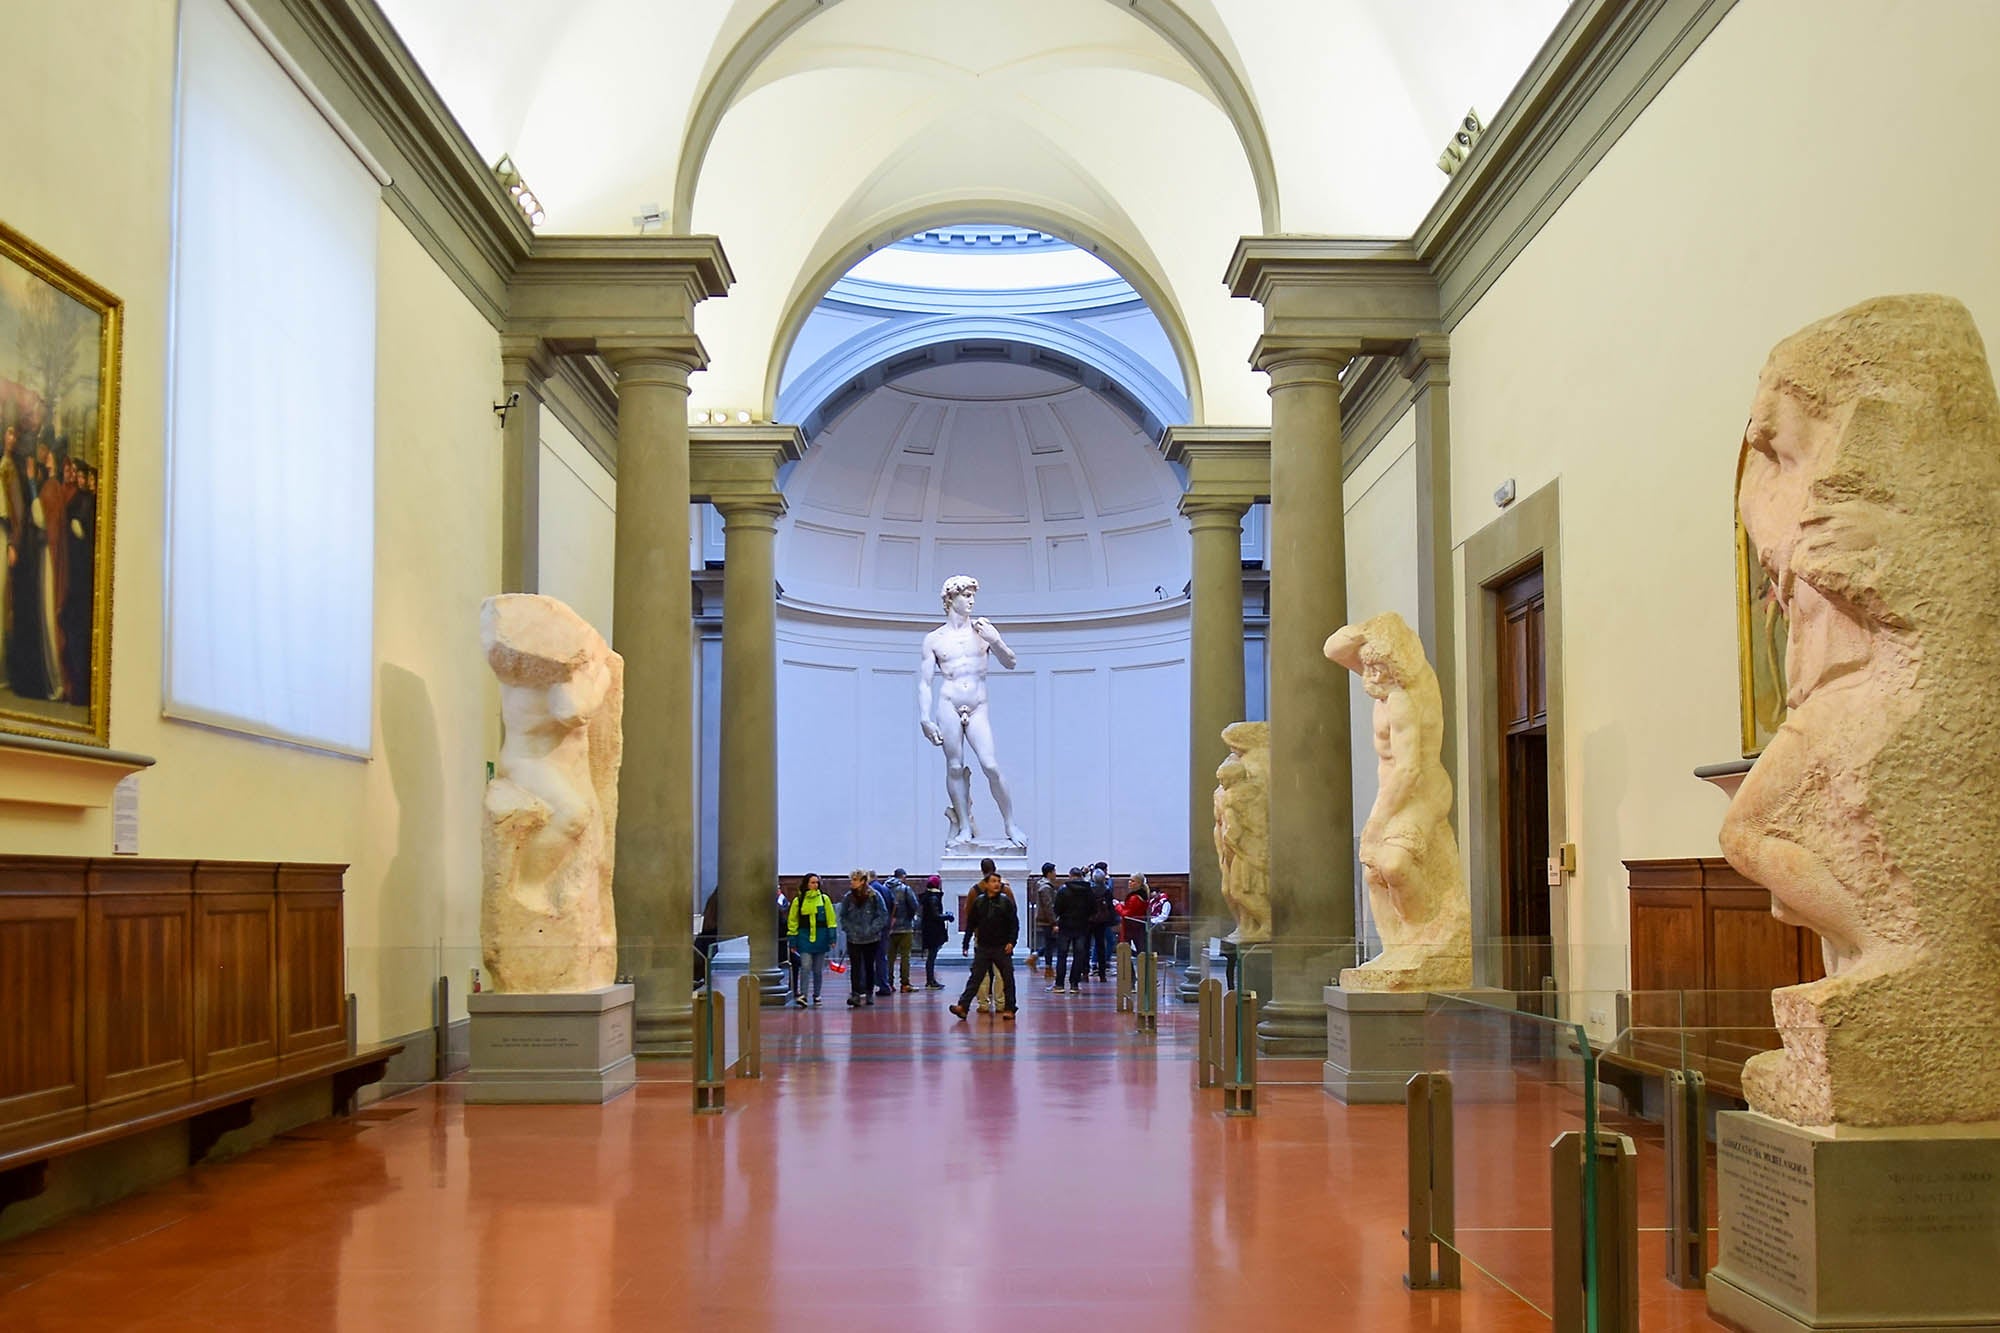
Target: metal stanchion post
[
  {"x": 1148, "y": 991},
  {"x": 1427, "y": 1102},
  {"x": 1595, "y": 1267},
  {"x": 749, "y": 1027},
  {"x": 1239, "y": 1044},
  {"x": 1687, "y": 1211},
  {"x": 709, "y": 1084}
]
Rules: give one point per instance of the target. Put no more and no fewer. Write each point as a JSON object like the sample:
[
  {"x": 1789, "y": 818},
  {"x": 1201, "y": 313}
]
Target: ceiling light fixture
[
  {"x": 1455, "y": 152},
  {"x": 517, "y": 189}
]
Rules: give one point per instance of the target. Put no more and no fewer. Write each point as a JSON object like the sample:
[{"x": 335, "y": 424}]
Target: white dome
[{"x": 1039, "y": 487}]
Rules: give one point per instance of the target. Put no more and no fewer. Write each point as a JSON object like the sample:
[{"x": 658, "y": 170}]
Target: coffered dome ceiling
[{"x": 1043, "y": 489}]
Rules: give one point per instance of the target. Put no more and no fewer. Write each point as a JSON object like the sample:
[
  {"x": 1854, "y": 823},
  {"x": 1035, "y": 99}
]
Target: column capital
[
  {"x": 653, "y": 360},
  {"x": 1208, "y": 512},
  {"x": 584, "y": 293},
  {"x": 526, "y": 360},
  {"x": 1303, "y": 358},
  {"x": 1221, "y": 464},
  {"x": 1335, "y": 289},
  {"x": 1426, "y": 361},
  {"x": 750, "y": 511},
  {"x": 737, "y": 466}
]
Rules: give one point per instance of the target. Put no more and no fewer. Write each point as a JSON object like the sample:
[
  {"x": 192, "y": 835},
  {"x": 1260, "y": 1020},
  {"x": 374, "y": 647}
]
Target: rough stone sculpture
[
  {"x": 1243, "y": 829},
  {"x": 1869, "y": 484},
  {"x": 1409, "y": 856},
  {"x": 551, "y": 811},
  {"x": 958, "y": 718}
]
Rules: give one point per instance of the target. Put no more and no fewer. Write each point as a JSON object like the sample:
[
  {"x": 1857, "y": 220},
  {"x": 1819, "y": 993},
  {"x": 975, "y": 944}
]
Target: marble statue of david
[{"x": 957, "y": 717}]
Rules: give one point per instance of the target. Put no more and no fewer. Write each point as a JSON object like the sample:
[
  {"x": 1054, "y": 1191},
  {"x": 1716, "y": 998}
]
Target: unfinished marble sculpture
[
  {"x": 1409, "y": 856},
  {"x": 551, "y": 810},
  {"x": 1869, "y": 484},
  {"x": 1243, "y": 829}
]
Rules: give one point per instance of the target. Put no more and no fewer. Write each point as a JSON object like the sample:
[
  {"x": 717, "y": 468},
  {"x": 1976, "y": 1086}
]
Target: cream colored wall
[
  {"x": 87, "y": 163},
  {"x": 1381, "y": 504},
  {"x": 1809, "y": 155}
]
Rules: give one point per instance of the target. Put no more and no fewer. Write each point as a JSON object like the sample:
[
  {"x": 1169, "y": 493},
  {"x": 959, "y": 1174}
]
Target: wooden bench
[{"x": 213, "y": 1107}]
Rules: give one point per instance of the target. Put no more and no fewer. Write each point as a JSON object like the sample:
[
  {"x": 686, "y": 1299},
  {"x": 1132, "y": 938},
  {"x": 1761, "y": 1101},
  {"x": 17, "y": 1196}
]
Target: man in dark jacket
[
  {"x": 865, "y": 918},
  {"x": 1042, "y": 893},
  {"x": 903, "y": 910},
  {"x": 1073, "y": 905},
  {"x": 994, "y": 924}
]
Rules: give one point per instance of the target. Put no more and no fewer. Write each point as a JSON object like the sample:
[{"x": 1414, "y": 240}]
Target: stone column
[
  {"x": 525, "y": 365},
  {"x": 1426, "y": 363},
  {"x": 1312, "y": 786},
  {"x": 1215, "y": 699},
  {"x": 652, "y": 628},
  {"x": 747, "y": 814}
]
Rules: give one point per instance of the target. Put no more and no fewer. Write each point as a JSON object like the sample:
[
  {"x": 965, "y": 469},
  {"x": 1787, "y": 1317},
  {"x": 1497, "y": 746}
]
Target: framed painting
[
  {"x": 59, "y": 349},
  {"x": 1761, "y": 629}
]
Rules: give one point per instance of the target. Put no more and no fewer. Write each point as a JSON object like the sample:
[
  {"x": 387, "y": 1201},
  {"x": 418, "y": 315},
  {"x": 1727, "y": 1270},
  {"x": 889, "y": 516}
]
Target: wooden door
[{"x": 1524, "y": 781}]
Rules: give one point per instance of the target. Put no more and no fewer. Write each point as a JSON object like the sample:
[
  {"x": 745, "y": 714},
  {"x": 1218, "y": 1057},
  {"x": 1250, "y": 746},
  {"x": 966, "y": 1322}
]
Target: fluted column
[
  {"x": 1311, "y": 781},
  {"x": 1215, "y": 699},
  {"x": 651, "y": 627},
  {"x": 747, "y": 812},
  {"x": 525, "y": 366}
]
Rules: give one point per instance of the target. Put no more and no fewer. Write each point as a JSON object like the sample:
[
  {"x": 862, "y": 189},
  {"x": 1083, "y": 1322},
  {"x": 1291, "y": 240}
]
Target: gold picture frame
[
  {"x": 60, "y": 343},
  {"x": 1761, "y": 629}
]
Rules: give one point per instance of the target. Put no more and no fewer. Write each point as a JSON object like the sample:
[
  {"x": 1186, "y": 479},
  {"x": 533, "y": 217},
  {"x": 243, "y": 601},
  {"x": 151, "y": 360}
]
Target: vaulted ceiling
[{"x": 806, "y": 132}]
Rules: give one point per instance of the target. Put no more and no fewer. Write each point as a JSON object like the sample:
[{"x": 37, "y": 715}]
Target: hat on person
[
  {"x": 899, "y": 872},
  {"x": 934, "y": 883}
]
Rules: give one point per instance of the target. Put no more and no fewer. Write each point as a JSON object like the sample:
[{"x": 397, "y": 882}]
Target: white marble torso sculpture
[
  {"x": 551, "y": 810},
  {"x": 1243, "y": 829},
  {"x": 955, "y": 715},
  {"x": 1869, "y": 485},
  {"x": 1409, "y": 856}
]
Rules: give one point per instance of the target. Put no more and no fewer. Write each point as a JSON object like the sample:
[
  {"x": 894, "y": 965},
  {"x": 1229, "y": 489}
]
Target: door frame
[{"x": 1530, "y": 529}]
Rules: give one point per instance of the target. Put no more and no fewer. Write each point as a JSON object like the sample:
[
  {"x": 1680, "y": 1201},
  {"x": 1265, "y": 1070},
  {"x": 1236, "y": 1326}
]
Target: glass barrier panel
[{"x": 1519, "y": 1079}]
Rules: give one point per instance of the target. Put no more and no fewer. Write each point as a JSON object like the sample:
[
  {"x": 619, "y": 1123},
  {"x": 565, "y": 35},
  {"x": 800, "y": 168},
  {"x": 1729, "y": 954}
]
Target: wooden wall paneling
[
  {"x": 1750, "y": 953},
  {"x": 236, "y": 966},
  {"x": 42, "y": 994},
  {"x": 312, "y": 980},
  {"x": 140, "y": 941}
]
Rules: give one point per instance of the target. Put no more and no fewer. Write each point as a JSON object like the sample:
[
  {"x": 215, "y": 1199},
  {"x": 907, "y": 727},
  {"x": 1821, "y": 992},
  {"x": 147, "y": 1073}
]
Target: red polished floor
[{"x": 894, "y": 1169}]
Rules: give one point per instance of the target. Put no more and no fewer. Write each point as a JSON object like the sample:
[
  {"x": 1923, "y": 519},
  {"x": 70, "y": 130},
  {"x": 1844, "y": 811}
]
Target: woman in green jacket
[{"x": 810, "y": 925}]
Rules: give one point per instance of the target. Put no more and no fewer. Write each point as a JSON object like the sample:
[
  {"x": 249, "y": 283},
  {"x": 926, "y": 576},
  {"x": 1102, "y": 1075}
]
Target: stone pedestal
[
  {"x": 1865, "y": 1231},
  {"x": 1375, "y": 1040},
  {"x": 551, "y": 1048},
  {"x": 958, "y": 869}
]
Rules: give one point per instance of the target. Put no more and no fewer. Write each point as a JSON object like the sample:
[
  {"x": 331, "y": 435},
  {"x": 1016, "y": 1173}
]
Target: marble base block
[
  {"x": 958, "y": 870},
  {"x": 551, "y": 1048},
  {"x": 1860, "y": 1230},
  {"x": 1375, "y": 1040}
]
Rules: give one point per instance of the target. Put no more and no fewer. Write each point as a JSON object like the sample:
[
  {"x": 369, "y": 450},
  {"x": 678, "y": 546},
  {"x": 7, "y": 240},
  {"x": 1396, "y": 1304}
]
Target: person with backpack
[
  {"x": 809, "y": 925},
  {"x": 865, "y": 919},
  {"x": 994, "y": 924},
  {"x": 1042, "y": 893},
  {"x": 903, "y": 912},
  {"x": 934, "y": 927},
  {"x": 1103, "y": 918},
  {"x": 1072, "y": 907}
]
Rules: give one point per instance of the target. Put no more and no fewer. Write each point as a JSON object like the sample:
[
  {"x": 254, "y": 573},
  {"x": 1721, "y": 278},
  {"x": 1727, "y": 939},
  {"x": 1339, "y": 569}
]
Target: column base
[
  {"x": 665, "y": 1031},
  {"x": 1287, "y": 1028},
  {"x": 774, "y": 986},
  {"x": 538, "y": 1049},
  {"x": 1866, "y": 1231}
]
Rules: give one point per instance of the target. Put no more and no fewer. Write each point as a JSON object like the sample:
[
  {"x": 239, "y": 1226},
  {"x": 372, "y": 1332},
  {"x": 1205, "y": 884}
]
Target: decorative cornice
[
  {"x": 584, "y": 293},
  {"x": 1361, "y": 295},
  {"x": 1599, "y": 69}
]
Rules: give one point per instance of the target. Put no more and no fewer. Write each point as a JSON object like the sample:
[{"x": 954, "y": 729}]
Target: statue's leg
[
  {"x": 957, "y": 775},
  {"x": 979, "y": 736}
]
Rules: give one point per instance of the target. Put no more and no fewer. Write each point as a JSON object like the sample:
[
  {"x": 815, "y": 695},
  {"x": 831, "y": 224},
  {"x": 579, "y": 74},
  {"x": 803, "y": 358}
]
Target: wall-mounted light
[
  {"x": 650, "y": 218},
  {"x": 517, "y": 189},
  {"x": 1462, "y": 139},
  {"x": 721, "y": 416}
]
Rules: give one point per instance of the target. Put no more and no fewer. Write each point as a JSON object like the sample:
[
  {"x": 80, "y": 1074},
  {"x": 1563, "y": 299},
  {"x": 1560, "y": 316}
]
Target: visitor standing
[
  {"x": 1042, "y": 893},
  {"x": 1103, "y": 918},
  {"x": 935, "y": 926},
  {"x": 865, "y": 919},
  {"x": 903, "y": 912},
  {"x": 1134, "y": 912},
  {"x": 1072, "y": 907},
  {"x": 994, "y": 924},
  {"x": 809, "y": 925}
]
